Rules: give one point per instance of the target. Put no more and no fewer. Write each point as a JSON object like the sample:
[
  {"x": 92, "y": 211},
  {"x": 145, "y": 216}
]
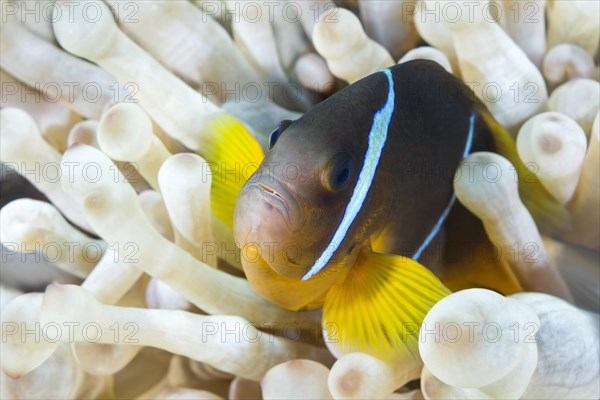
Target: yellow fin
[
  {"x": 549, "y": 214},
  {"x": 234, "y": 155},
  {"x": 378, "y": 309}
]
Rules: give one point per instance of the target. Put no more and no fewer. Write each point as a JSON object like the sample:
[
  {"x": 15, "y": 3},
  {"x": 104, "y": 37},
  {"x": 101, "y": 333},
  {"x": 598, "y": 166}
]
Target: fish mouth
[
  {"x": 277, "y": 195},
  {"x": 272, "y": 197}
]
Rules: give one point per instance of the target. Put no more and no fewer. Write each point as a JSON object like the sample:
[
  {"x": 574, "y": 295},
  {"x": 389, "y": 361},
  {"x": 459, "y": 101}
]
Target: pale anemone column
[
  {"x": 183, "y": 116},
  {"x": 350, "y": 54},
  {"x": 228, "y": 342},
  {"x": 585, "y": 205},
  {"x": 485, "y": 183},
  {"x": 579, "y": 99},
  {"x": 82, "y": 86},
  {"x": 114, "y": 210},
  {"x": 22, "y": 146},
  {"x": 498, "y": 71},
  {"x": 54, "y": 119},
  {"x": 32, "y": 225}
]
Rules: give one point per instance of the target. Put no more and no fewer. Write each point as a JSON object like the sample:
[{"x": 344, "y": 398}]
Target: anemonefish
[{"x": 352, "y": 208}]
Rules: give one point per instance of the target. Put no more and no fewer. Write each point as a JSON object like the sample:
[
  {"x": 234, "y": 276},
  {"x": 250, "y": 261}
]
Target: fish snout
[{"x": 267, "y": 216}]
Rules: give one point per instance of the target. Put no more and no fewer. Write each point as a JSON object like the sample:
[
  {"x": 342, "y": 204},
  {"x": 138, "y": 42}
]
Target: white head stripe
[{"x": 377, "y": 138}]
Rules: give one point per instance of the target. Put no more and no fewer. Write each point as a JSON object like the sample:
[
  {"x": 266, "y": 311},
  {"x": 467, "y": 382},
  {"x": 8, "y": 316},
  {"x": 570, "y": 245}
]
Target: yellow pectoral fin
[
  {"x": 234, "y": 155},
  {"x": 378, "y": 309}
]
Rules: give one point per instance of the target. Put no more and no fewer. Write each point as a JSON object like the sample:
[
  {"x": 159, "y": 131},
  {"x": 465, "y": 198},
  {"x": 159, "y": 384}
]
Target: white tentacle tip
[
  {"x": 296, "y": 379},
  {"x": 486, "y": 183},
  {"x": 480, "y": 330},
  {"x": 83, "y": 35},
  {"x": 125, "y": 132},
  {"x": 361, "y": 376},
  {"x": 23, "y": 353},
  {"x": 556, "y": 145}
]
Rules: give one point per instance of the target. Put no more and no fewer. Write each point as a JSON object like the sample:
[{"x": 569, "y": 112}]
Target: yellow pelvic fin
[
  {"x": 378, "y": 309},
  {"x": 234, "y": 155},
  {"x": 549, "y": 214}
]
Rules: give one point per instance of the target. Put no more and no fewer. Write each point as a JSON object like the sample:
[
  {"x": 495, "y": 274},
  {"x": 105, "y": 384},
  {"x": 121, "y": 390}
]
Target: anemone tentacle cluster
[{"x": 119, "y": 281}]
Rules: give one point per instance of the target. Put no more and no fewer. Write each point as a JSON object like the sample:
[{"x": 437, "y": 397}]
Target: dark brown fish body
[{"x": 293, "y": 206}]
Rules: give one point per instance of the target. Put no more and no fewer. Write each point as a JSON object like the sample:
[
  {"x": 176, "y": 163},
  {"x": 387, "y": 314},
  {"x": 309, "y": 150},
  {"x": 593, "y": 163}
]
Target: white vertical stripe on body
[{"x": 377, "y": 139}]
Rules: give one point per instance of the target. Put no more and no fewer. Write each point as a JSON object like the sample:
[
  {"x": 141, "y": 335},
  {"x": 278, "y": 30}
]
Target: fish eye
[
  {"x": 338, "y": 172},
  {"x": 274, "y": 136}
]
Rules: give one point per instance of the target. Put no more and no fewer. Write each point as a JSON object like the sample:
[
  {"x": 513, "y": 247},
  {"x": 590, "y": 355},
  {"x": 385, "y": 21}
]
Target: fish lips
[{"x": 266, "y": 216}]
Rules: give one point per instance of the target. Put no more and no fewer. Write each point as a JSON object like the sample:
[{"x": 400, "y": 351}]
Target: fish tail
[
  {"x": 233, "y": 156},
  {"x": 549, "y": 214},
  {"x": 378, "y": 309}
]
